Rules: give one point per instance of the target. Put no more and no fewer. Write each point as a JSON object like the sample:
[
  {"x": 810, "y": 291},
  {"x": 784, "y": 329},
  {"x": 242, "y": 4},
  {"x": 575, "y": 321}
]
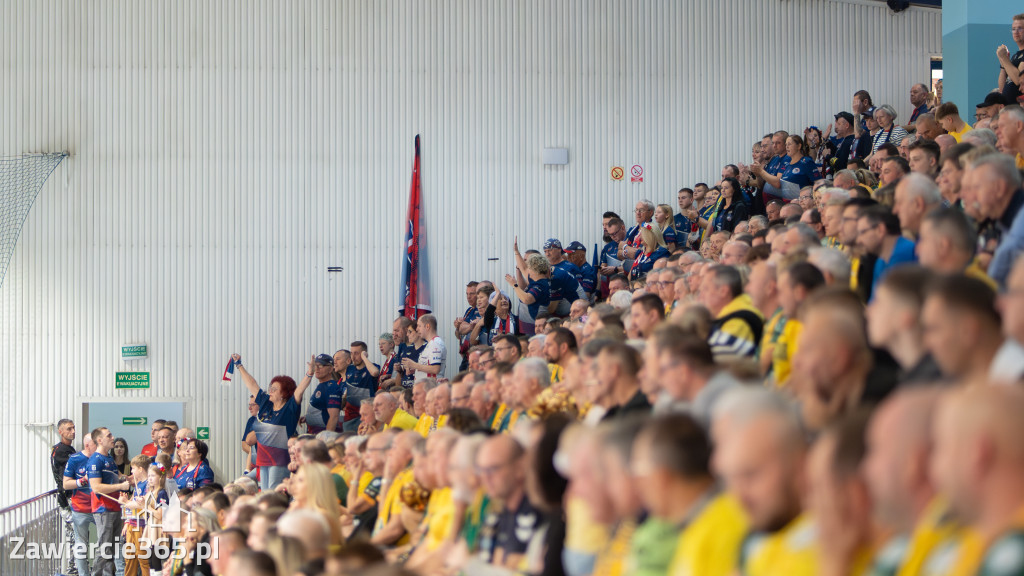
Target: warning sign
[
  {"x": 618, "y": 172},
  {"x": 637, "y": 173}
]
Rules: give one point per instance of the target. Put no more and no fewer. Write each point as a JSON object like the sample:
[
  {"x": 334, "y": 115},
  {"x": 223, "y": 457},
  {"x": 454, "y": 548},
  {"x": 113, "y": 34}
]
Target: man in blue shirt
[
  {"x": 919, "y": 100},
  {"x": 464, "y": 324},
  {"x": 683, "y": 224},
  {"x": 361, "y": 385},
  {"x": 585, "y": 273},
  {"x": 76, "y": 479},
  {"x": 105, "y": 481},
  {"x": 325, "y": 402},
  {"x": 878, "y": 234},
  {"x": 779, "y": 160}
]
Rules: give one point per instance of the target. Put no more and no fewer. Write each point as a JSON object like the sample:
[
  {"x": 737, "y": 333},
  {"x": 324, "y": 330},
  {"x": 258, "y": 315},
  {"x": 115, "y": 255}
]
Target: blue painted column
[{"x": 971, "y": 32}]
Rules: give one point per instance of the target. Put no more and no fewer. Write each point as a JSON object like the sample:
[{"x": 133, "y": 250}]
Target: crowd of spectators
[{"x": 811, "y": 366}]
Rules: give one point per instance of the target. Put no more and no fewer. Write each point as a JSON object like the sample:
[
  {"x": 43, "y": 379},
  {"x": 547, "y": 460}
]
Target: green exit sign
[
  {"x": 134, "y": 421},
  {"x": 134, "y": 351},
  {"x": 203, "y": 432},
  {"x": 128, "y": 380}
]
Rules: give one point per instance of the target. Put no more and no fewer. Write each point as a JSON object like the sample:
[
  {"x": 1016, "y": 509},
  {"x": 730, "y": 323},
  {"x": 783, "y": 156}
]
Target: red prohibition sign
[
  {"x": 616, "y": 173},
  {"x": 637, "y": 171}
]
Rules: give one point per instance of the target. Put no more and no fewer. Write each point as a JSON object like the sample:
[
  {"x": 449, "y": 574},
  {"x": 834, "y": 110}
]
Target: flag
[
  {"x": 414, "y": 299},
  {"x": 229, "y": 371}
]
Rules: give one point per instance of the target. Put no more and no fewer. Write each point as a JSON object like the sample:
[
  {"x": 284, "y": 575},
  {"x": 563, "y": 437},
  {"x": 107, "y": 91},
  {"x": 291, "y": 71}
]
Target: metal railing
[{"x": 30, "y": 532}]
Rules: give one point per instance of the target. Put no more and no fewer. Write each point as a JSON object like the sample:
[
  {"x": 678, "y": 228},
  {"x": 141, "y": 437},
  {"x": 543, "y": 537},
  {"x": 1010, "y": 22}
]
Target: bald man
[
  {"x": 978, "y": 464},
  {"x": 903, "y": 497},
  {"x": 761, "y": 454}
]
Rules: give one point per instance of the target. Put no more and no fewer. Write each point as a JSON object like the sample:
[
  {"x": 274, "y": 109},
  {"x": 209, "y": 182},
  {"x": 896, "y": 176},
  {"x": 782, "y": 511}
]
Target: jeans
[
  {"x": 272, "y": 476},
  {"x": 108, "y": 537},
  {"x": 80, "y": 522},
  {"x": 351, "y": 425}
]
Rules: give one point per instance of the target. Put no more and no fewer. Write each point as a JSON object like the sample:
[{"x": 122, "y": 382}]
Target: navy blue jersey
[
  {"x": 197, "y": 477},
  {"x": 541, "y": 292},
  {"x": 103, "y": 467},
  {"x": 360, "y": 386},
  {"x": 273, "y": 429},
  {"x": 249, "y": 426},
  {"x": 587, "y": 277},
  {"x": 326, "y": 395},
  {"x": 78, "y": 468},
  {"x": 610, "y": 251},
  {"x": 413, "y": 353}
]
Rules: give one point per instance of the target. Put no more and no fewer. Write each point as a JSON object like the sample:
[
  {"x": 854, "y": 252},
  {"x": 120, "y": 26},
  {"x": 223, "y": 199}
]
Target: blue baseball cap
[
  {"x": 324, "y": 360},
  {"x": 552, "y": 243},
  {"x": 575, "y": 246}
]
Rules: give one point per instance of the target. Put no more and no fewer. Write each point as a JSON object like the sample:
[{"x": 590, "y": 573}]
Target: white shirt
[
  {"x": 1008, "y": 363},
  {"x": 434, "y": 354}
]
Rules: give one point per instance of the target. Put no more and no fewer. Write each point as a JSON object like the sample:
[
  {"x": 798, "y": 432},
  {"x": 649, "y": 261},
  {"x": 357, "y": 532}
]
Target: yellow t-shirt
[
  {"x": 582, "y": 533},
  {"x": 439, "y": 518},
  {"x": 960, "y": 134},
  {"x": 790, "y": 551},
  {"x": 442, "y": 420},
  {"x": 499, "y": 413},
  {"x": 932, "y": 531},
  {"x": 1020, "y": 162},
  {"x": 975, "y": 271},
  {"x": 392, "y": 503},
  {"x": 423, "y": 425},
  {"x": 611, "y": 561},
  {"x": 556, "y": 372},
  {"x": 364, "y": 482},
  {"x": 340, "y": 470},
  {"x": 403, "y": 420},
  {"x": 785, "y": 348},
  {"x": 710, "y": 543}
]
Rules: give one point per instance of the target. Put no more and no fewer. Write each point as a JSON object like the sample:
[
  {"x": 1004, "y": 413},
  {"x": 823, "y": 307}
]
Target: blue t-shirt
[
  {"x": 326, "y": 396},
  {"x": 77, "y": 468},
  {"x": 777, "y": 165},
  {"x": 468, "y": 316},
  {"x": 273, "y": 429},
  {"x": 411, "y": 352},
  {"x": 103, "y": 467},
  {"x": 644, "y": 263},
  {"x": 541, "y": 292},
  {"x": 360, "y": 386},
  {"x": 610, "y": 251},
  {"x": 587, "y": 277},
  {"x": 683, "y": 227},
  {"x": 803, "y": 173},
  {"x": 563, "y": 286},
  {"x": 249, "y": 425},
  {"x": 198, "y": 477},
  {"x": 669, "y": 234},
  {"x": 902, "y": 253}
]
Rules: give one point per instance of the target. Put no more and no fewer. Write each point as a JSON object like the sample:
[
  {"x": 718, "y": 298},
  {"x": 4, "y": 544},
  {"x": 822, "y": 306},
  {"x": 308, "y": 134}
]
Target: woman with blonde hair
[
  {"x": 312, "y": 488},
  {"x": 665, "y": 218},
  {"x": 654, "y": 249},
  {"x": 288, "y": 553}
]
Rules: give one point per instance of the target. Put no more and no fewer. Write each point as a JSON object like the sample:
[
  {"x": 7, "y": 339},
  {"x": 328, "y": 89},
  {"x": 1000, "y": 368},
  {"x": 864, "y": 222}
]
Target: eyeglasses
[
  {"x": 502, "y": 348},
  {"x": 806, "y": 198},
  {"x": 460, "y": 398},
  {"x": 488, "y": 470}
]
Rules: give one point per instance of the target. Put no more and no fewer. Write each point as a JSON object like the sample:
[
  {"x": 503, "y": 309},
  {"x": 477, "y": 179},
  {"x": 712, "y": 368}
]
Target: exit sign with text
[{"x": 129, "y": 380}]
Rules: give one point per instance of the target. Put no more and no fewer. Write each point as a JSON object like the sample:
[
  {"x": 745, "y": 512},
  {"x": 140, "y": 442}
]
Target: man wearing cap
[
  {"x": 325, "y": 402},
  {"x": 841, "y": 148},
  {"x": 585, "y": 273},
  {"x": 994, "y": 102},
  {"x": 564, "y": 288}
]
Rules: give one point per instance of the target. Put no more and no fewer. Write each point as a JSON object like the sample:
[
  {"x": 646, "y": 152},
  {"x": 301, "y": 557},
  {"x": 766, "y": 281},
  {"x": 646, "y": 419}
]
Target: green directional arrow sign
[
  {"x": 134, "y": 421},
  {"x": 203, "y": 432}
]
